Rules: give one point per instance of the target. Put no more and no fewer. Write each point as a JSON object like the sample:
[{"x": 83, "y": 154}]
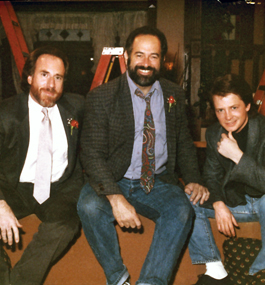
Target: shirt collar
[{"x": 36, "y": 107}]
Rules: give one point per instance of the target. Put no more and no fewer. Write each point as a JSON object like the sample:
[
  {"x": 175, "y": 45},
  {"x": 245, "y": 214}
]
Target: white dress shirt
[{"x": 60, "y": 145}]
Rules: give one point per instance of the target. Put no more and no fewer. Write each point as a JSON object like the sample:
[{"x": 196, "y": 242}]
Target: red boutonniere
[
  {"x": 73, "y": 124},
  {"x": 172, "y": 102}
]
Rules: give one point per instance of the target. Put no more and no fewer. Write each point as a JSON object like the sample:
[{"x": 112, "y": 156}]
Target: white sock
[{"x": 216, "y": 270}]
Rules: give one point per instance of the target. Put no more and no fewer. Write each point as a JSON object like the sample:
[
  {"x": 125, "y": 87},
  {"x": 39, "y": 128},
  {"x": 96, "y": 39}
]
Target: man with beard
[
  {"x": 39, "y": 170},
  {"x": 130, "y": 143}
]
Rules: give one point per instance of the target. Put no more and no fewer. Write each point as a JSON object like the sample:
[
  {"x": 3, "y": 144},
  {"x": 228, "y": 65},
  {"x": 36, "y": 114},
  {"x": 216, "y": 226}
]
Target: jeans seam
[
  {"x": 210, "y": 243},
  {"x": 122, "y": 278}
]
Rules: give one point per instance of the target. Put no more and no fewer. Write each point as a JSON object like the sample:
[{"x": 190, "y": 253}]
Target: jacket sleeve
[
  {"x": 95, "y": 145},
  {"x": 213, "y": 172},
  {"x": 251, "y": 172},
  {"x": 186, "y": 154},
  {"x": 2, "y": 180}
]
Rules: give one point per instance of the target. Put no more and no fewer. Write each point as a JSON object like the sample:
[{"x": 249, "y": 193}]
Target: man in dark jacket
[
  {"x": 125, "y": 177},
  {"x": 234, "y": 174},
  {"x": 39, "y": 170}
]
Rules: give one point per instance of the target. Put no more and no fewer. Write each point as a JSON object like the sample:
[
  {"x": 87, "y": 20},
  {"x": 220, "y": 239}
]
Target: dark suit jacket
[
  {"x": 108, "y": 136},
  {"x": 14, "y": 141},
  {"x": 222, "y": 175}
]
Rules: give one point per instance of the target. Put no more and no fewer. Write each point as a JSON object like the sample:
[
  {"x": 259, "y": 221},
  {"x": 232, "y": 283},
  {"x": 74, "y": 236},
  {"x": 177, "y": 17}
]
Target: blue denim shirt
[{"x": 158, "y": 111}]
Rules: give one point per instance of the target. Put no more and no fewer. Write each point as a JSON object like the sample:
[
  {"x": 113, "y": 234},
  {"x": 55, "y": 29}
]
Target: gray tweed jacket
[{"x": 108, "y": 136}]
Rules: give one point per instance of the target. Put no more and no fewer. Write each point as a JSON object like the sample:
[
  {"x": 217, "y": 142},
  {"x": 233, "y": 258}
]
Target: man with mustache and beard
[
  {"x": 37, "y": 130},
  {"x": 126, "y": 178}
]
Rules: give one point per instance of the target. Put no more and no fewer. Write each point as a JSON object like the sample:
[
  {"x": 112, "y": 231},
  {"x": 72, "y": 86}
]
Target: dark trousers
[{"x": 60, "y": 224}]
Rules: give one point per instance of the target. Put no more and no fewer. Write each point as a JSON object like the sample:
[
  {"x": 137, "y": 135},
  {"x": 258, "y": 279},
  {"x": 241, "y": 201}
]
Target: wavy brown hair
[
  {"x": 232, "y": 83},
  {"x": 147, "y": 30}
]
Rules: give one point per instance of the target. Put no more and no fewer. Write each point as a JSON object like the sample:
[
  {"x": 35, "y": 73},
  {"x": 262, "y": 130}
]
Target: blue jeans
[
  {"x": 202, "y": 247},
  {"x": 167, "y": 205}
]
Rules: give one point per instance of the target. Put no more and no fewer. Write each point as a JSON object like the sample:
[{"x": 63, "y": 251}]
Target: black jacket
[{"x": 221, "y": 173}]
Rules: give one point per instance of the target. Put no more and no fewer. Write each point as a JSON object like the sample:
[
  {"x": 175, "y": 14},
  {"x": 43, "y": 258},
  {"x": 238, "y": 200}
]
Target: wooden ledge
[{"x": 200, "y": 144}]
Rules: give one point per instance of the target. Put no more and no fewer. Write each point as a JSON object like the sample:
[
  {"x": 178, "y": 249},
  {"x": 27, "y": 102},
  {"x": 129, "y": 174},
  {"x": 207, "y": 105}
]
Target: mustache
[
  {"x": 52, "y": 90},
  {"x": 144, "y": 68}
]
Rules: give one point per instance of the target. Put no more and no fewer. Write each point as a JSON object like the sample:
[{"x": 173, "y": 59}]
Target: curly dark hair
[
  {"x": 146, "y": 30},
  {"x": 30, "y": 64}
]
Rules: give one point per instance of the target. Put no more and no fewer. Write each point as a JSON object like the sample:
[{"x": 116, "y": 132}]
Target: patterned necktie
[
  {"x": 148, "y": 152},
  {"x": 42, "y": 183}
]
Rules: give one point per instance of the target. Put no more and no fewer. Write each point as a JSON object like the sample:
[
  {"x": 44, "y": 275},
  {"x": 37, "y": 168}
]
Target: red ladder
[
  {"x": 105, "y": 65},
  {"x": 14, "y": 34},
  {"x": 260, "y": 95}
]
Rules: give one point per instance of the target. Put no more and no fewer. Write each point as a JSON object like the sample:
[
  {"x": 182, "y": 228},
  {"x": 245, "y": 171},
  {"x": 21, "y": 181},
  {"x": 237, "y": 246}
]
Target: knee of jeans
[
  {"x": 90, "y": 207},
  {"x": 85, "y": 207},
  {"x": 200, "y": 212},
  {"x": 184, "y": 212},
  {"x": 262, "y": 205},
  {"x": 190, "y": 214}
]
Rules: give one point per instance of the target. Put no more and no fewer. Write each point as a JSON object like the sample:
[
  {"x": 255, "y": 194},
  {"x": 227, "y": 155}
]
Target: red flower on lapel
[
  {"x": 73, "y": 124},
  {"x": 172, "y": 102}
]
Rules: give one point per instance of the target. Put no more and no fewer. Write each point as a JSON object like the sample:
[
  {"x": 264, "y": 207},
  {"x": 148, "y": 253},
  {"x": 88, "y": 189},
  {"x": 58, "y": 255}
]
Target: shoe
[
  {"x": 127, "y": 282},
  {"x": 208, "y": 280}
]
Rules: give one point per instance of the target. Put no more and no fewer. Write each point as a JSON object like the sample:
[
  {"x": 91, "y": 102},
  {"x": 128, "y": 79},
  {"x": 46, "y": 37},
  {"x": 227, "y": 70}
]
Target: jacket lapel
[
  {"x": 23, "y": 130},
  {"x": 226, "y": 162},
  {"x": 127, "y": 108},
  {"x": 170, "y": 119},
  {"x": 67, "y": 113},
  {"x": 252, "y": 146},
  {"x": 253, "y": 137}
]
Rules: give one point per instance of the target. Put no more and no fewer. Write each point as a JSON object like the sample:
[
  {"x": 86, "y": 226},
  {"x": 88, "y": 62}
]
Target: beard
[
  {"x": 143, "y": 80},
  {"x": 44, "y": 100}
]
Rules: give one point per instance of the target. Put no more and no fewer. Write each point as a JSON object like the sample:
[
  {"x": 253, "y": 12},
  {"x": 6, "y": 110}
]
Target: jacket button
[{"x": 101, "y": 188}]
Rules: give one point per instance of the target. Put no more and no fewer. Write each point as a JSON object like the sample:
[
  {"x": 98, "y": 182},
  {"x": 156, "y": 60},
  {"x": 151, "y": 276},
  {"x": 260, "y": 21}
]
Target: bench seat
[{"x": 79, "y": 266}]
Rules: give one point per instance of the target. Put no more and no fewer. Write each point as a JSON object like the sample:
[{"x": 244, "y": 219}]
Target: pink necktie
[{"x": 42, "y": 183}]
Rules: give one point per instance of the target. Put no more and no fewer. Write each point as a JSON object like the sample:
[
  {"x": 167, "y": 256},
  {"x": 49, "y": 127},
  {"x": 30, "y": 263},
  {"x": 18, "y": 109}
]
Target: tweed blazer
[
  {"x": 222, "y": 175},
  {"x": 108, "y": 136},
  {"x": 14, "y": 141}
]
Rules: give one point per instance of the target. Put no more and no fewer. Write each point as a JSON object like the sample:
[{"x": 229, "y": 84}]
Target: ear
[
  {"x": 126, "y": 57},
  {"x": 248, "y": 107},
  {"x": 29, "y": 79}
]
